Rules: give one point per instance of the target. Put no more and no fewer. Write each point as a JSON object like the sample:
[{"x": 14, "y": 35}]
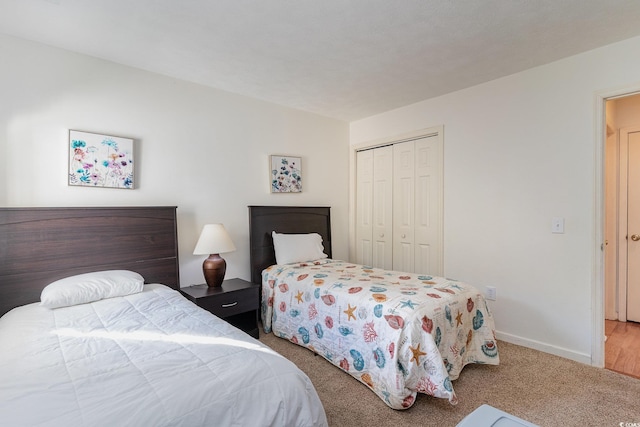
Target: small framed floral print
[
  {"x": 97, "y": 160},
  {"x": 286, "y": 174}
]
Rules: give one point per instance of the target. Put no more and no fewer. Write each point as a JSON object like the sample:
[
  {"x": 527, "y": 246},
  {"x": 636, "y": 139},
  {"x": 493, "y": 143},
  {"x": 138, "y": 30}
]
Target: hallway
[{"x": 622, "y": 348}]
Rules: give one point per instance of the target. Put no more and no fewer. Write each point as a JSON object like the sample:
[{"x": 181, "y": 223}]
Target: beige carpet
[{"x": 543, "y": 389}]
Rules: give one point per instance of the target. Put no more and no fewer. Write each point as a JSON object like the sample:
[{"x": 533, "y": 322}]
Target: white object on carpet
[{"x": 488, "y": 416}]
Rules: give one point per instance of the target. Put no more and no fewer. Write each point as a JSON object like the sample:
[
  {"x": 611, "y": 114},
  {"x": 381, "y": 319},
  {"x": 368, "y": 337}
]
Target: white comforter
[{"x": 149, "y": 359}]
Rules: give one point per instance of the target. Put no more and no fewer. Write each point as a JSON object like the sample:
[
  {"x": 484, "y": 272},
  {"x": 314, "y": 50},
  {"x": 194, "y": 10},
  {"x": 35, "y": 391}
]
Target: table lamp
[{"x": 213, "y": 241}]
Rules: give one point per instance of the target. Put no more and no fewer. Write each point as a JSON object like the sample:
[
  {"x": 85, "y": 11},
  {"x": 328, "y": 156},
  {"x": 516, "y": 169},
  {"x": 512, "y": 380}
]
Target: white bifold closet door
[
  {"x": 374, "y": 224},
  {"x": 399, "y": 206},
  {"x": 417, "y": 206}
]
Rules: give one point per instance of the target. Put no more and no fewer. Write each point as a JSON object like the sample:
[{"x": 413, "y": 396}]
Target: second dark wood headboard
[
  {"x": 283, "y": 219},
  {"x": 41, "y": 245}
]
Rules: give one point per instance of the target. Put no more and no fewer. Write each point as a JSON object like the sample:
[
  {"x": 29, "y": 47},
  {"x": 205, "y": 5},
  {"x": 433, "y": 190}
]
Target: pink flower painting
[{"x": 100, "y": 160}]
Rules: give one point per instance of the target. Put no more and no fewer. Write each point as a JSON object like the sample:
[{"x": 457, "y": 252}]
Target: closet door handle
[{"x": 635, "y": 237}]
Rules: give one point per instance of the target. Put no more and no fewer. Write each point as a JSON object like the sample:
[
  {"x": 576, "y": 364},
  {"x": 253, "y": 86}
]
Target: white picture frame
[
  {"x": 285, "y": 174},
  {"x": 97, "y": 160}
]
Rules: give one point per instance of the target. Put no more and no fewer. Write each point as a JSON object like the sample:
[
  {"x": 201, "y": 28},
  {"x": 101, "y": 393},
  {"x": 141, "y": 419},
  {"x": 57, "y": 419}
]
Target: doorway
[{"x": 621, "y": 239}]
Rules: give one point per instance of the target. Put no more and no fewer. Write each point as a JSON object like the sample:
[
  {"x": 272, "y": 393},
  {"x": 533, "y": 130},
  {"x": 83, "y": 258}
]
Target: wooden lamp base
[{"x": 214, "y": 269}]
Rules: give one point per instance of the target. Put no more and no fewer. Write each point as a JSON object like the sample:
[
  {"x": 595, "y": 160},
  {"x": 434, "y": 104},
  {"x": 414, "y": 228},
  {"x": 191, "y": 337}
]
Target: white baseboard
[{"x": 544, "y": 347}]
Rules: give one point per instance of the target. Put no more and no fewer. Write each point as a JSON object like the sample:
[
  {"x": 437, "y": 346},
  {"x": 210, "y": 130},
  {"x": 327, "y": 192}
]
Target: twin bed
[
  {"x": 116, "y": 355},
  {"x": 119, "y": 353},
  {"x": 398, "y": 333}
]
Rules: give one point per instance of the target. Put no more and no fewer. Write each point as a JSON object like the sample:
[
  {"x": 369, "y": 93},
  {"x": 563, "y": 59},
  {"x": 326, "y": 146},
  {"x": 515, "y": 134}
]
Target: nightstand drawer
[
  {"x": 236, "y": 302},
  {"x": 231, "y": 303}
]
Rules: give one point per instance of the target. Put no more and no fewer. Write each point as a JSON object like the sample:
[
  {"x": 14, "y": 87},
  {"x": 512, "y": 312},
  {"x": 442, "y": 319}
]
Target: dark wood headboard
[
  {"x": 40, "y": 245},
  {"x": 283, "y": 219}
]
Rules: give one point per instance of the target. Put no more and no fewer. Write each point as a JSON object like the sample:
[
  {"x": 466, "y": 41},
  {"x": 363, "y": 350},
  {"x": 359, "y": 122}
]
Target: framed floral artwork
[
  {"x": 286, "y": 174},
  {"x": 97, "y": 160}
]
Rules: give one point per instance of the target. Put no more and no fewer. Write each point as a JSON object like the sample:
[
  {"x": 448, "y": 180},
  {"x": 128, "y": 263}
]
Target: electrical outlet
[{"x": 490, "y": 293}]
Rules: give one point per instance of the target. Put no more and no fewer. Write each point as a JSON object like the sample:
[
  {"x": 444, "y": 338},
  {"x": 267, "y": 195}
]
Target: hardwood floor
[{"x": 622, "y": 348}]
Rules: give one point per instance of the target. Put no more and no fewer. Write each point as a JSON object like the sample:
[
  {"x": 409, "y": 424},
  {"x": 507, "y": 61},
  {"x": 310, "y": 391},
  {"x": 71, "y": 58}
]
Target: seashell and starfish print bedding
[{"x": 398, "y": 333}]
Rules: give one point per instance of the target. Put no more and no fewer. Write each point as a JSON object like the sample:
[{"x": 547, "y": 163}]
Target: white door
[
  {"x": 633, "y": 227},
  {"x": 374, "y": 207},
  {"x": 399, "y": 204},
  {"x": 382, "y": 208},
  {"x": 364, "y": 207},
  {"x": 403, "y": 206},
  {"x": 417, "y": 202},
  {"x": 428, "y": 206}
]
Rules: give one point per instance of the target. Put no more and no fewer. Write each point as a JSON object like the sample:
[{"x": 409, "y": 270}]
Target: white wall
[
  {"x": 201, "y": 149},
  {"x": 519, "y": 151}
]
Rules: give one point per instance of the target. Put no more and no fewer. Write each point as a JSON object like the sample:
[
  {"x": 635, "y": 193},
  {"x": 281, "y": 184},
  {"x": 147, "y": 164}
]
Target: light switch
[{"x": 557, "y": 225}]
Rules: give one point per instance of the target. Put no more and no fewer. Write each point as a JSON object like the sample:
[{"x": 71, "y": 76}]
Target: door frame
[
  {"x": 353, "y": 149},
  {"x": 597, "y": 279}
]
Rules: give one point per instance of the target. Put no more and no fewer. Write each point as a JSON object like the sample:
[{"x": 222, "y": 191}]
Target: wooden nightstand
[{"x": 236, "y": 301}]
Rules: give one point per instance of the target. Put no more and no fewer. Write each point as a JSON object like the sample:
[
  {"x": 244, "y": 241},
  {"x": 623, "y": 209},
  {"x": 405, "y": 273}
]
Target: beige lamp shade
[{"x": 213, "y": 241}]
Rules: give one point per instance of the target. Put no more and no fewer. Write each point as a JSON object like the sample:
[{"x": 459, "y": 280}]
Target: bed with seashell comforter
[{"x": 398, "y": 333}]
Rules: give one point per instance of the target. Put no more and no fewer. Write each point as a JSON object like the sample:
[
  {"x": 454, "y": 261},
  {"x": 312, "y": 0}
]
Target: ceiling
[{"x": 345, "y": 59}]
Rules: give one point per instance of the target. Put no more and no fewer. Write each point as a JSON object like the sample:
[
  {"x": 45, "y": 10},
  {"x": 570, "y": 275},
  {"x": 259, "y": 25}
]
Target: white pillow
[
  {"x": 90, "y": 287},
  {"x": 297, "y": 247}
]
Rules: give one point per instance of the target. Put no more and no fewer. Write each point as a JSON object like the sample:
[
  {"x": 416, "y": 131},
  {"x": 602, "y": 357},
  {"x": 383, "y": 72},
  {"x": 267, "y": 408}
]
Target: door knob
[{"x": 635, "y": 237}]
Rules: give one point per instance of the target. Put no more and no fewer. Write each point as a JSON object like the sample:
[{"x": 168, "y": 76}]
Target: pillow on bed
[
  {"x": 297, "y": 247},
  {"x": 90, "y": 287}
]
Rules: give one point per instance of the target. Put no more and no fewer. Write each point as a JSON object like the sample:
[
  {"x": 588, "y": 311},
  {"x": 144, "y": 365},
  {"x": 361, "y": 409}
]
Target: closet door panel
[
  {"x": 382, "y": 207},
  {"x": 403, "y": 206},
  {"x": 428, "y": 206},
  {"x": 403, "y": 257},
  {"x": 364, "y": 207},
  {"x": 421, "y": 230},
  {"x": 381, "y": 253},
  {"x": 423, "y": 260}
]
